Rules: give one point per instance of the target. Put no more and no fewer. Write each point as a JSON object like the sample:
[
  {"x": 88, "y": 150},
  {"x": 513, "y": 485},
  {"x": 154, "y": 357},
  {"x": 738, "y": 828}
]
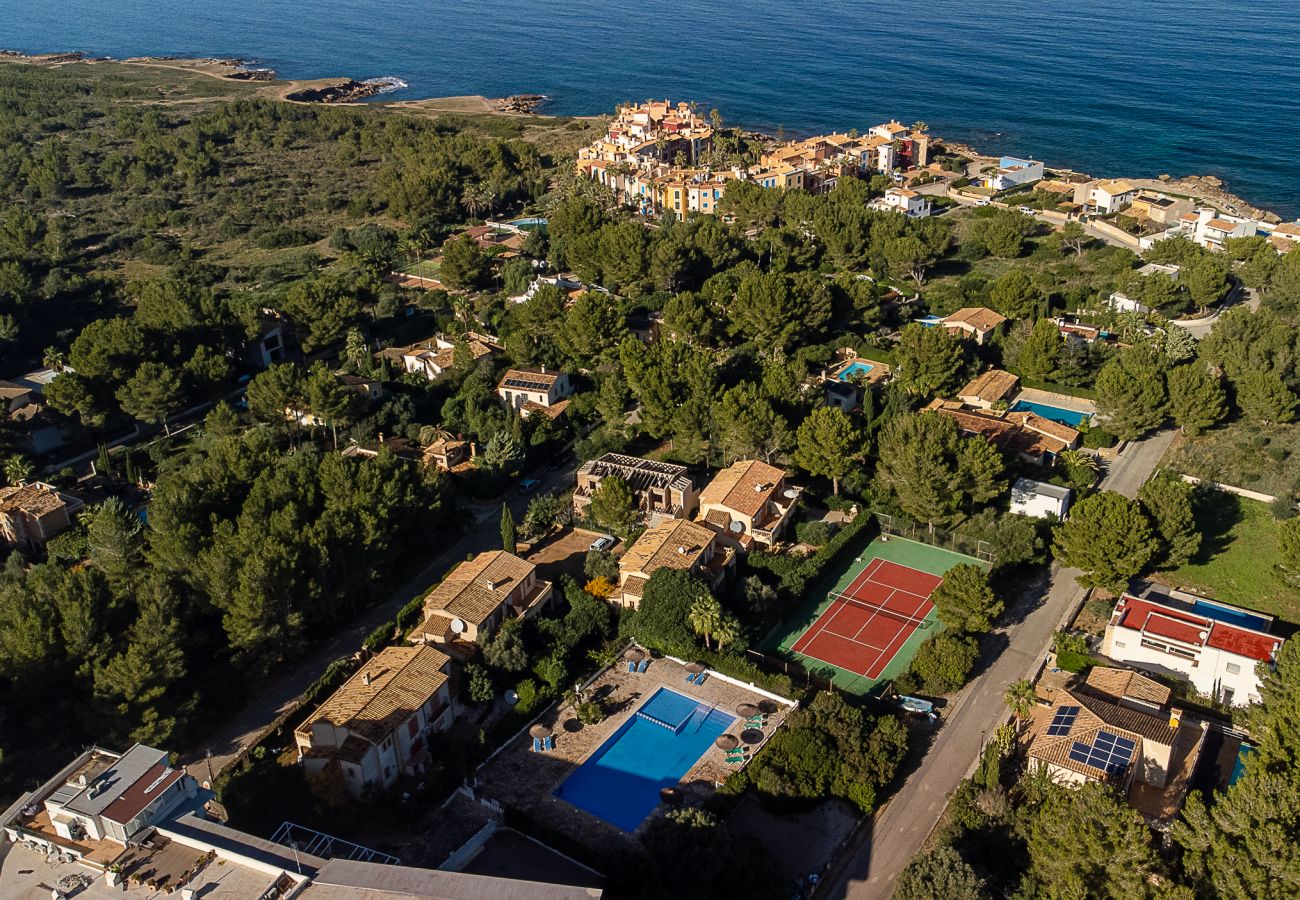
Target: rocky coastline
[{"x": 349, "y": 90}]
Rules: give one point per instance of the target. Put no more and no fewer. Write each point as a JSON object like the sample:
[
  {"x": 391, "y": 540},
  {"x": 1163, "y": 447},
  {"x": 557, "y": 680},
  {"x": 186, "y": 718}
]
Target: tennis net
[{"x": 880, "y": 610}]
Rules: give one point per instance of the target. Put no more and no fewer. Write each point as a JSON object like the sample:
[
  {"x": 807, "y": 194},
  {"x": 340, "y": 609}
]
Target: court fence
[{"x": 942, "y": 538}]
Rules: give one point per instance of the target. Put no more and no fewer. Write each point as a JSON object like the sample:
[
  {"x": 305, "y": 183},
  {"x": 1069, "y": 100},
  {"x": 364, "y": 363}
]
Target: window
[
  {"x": 1233, "y": 669},
  {"x": 1120, "y": 644}
]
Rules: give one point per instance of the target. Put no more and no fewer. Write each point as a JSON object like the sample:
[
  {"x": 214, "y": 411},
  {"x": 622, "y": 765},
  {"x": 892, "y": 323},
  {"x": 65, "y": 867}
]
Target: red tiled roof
[
  {"x": 1257, "y": 646},
  {"x": 1165, "y": 621}
]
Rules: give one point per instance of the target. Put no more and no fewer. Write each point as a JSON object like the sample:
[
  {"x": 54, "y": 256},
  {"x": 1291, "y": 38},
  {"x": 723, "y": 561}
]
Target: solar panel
[
  {"x": 527, "y": 384},
  {"x": 1062, "y": 721},
  {"x": 1109, "y": 752}
]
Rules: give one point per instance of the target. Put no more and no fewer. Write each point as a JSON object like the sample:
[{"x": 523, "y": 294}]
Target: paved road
[
  {"x": 879, "y": 853},
  {"x": 281, "y": 694}
]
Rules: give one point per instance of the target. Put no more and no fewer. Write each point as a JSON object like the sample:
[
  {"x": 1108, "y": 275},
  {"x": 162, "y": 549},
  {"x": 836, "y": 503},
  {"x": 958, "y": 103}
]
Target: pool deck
[
  {"x": 519, "y": 778},
  {"x": 1062, "y": 401},
  {"x": 879, "y": 371}
]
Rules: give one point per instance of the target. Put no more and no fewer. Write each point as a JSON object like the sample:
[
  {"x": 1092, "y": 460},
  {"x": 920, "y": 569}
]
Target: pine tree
[
  {"x": 1167, "y": 499},
  {"x": 1131, "y": 393},
  {"x": 828, "y": 444},
  {"x": 965, "y": 602},
  {"x": 1109, "y": 538},
  {"x": 1196, "y": 398}
]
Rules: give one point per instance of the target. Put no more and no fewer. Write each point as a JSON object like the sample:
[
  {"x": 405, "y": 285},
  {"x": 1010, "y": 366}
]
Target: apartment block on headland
[
  {"x": 656, "y": 155},
  {"x": 660, "y": 490}
]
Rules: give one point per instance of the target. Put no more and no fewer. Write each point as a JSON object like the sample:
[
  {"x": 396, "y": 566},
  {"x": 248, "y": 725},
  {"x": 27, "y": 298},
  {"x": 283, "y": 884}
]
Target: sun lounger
[
  {"x": 537, "y": 745},
  {"x": 645, "y": 664}
]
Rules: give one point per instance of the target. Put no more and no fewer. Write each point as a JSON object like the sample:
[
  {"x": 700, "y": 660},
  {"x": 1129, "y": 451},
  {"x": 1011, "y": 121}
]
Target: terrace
[{"x": 519, "y": 778}]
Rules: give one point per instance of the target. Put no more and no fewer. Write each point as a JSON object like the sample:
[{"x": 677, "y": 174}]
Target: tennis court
[{"x": 863, "y": 624}]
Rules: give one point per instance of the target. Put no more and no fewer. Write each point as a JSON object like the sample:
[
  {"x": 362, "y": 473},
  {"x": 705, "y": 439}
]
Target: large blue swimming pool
[
  {"x": 1240, "y": 618},
  {"x": 1055, "y": 413},
  {"x": 667, "y": 735}
]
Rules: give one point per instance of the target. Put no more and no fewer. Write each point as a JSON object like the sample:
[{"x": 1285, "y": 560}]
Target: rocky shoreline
[{"x": 349, "y": 90}]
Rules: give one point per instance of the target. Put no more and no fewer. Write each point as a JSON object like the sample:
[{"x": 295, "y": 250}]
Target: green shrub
[
  {"x": 814, "y": 533},
  {"x": 529, "y": 696},
  {"x": 1097, "y": 438},
  {"x": 590, "y": 713}
]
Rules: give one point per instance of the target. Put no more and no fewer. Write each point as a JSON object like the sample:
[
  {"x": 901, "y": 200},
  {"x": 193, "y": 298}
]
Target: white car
[
  {"x": 983, "y": 201},
  {"x": 604, "y": 542},
  {"x": 1028, "y": 210}
]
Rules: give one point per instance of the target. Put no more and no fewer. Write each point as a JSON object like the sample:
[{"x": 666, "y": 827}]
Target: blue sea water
[{"x": 1132, "y": 87}]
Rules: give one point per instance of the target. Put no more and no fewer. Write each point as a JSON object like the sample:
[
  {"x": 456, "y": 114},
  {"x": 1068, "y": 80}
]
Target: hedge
[{"x": 797, "y": 574}]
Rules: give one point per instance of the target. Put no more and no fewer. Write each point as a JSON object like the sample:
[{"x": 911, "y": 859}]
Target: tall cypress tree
[{"x": 508, "y": 541}]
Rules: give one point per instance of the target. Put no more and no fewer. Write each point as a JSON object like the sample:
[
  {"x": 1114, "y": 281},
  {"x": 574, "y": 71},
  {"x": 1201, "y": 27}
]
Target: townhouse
[
  {"x": 749, "y": 503},
  {"x": 476, "y": 597},
  {"x": 1027, "y": 435},
  {"x": 672, "y": 544},
  {"x": 374, "y": 729},
  {"x": 660, "y": 490}
]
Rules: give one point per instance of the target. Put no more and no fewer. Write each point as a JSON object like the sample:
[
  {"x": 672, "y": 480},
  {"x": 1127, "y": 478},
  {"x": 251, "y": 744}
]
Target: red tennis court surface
[{"x": 864, "y": 639}]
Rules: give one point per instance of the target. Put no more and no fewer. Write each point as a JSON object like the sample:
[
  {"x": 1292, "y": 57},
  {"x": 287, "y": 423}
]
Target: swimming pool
[
  {"x": 663, "y": 739},
  {"x": 530, "y": 222},
  {"x": 1055, "y": 413},
  {"x": 853, "y": 370},
  {"x": 929, "y": 321},
  {"x": 1240, "y": 618},
  {"x": 1239, "y": 767}
]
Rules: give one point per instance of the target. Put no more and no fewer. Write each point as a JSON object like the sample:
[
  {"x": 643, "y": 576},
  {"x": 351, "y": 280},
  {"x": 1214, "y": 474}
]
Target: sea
[{"x": 1110, "y": 87}]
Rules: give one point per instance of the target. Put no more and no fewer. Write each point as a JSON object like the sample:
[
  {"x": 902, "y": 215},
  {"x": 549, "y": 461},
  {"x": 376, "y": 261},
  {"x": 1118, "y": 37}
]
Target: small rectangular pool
[
  {"x": 1054, "y": 413},
  {"x": 663, "y": 739},
  {"x": 854, "y": 370}
]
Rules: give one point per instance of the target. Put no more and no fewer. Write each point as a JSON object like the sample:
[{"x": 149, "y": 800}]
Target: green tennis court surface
[{"x": 805, "y": 626}]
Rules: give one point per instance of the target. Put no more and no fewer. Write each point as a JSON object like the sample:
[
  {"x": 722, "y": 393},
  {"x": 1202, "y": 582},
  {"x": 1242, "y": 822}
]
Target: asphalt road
[
  {"x": 878, "y": 854},
  {"x": 280, "y": 696}
]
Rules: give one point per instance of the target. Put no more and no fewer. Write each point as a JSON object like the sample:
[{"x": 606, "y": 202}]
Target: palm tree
[
  {"x": 705, "y": 617},
  {"x": 1020, "y": 698},
  {"x": 463, "y": 308},
  {"x": 920, "y": 127},
  {"x": 1080, "y": 467},
  {"x": 54, "y": 358},
  {"x": 18, "y": 469},
  {"x": 472, "y": 198},
  {"x": 728, "y": 630},
  {"x": 415, "y": 247}
]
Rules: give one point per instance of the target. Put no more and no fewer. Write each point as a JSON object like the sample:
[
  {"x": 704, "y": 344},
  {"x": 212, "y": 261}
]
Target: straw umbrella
[
  {"x": 695, "y": 668},
  {"x": 539, "y": 731},
  {"x": 634, "y": 654},
  {"x": 747, "y": 710},
  {"x": 727, "y": 742},
  {"x": 751, "y": 736}
]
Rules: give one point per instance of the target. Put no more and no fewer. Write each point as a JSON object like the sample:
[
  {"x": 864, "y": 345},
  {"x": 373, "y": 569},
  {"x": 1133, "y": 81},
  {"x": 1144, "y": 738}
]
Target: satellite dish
[
  {"x": 457, "y": 626},
  {"x": 791, "y": 493},
  {"x": 511, "y": 698},
  {"x": 737, "y": 527}
]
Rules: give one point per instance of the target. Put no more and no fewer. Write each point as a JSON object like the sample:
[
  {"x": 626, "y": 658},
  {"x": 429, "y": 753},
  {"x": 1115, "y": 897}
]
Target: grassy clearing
[
  {"x": 1238, "y": 558},
  {"x": 1264, "y": 458}
]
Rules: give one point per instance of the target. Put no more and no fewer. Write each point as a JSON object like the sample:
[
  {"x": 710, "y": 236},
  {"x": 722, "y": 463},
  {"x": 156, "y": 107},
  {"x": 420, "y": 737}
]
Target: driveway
[
  {"x": 878, "y": 854},
  {"x": 282, "y": 694}
]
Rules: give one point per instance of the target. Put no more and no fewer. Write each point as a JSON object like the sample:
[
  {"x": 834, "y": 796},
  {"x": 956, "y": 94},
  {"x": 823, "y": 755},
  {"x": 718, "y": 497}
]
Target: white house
[
  {"x": 1213, "y": 228},
  {"x": 908, "y": 202},
  {"x": 1038, "y": 499},
  {"x": 527, "y": 391},
  {"x": 1214, "y": 646},
  {"x": 1014, "y": 172},
  {"x": 1122, "y": 302},
  {"x": 1108, "y": 197}
]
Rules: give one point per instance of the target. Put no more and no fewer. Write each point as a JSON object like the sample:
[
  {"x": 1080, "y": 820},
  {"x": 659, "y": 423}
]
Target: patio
[{"x": 520, "y": 778}]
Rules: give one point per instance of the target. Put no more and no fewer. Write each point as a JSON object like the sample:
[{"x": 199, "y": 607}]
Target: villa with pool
[{"x": 673, "y": 733}]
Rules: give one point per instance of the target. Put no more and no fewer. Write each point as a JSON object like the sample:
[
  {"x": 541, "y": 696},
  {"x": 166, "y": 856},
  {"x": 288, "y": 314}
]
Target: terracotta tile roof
[
  {"x": 1000, "y": 428},
  {"x": 1244, "y": 642},
  {"x": 1152, "y": 727},
  {"x": 980, "y": 318},
  {"x": 1057, "y": 430},
  {"x": 554, "y": 411},
  {"x": 384, "y": 692},
  {"x": 1115, "y": 186},
  {"x": 1055, "y": 750},
  {"x": 11, "y": 391},
  {"x": 1290, "y": 228},
  {"x": 475, "y": 589},
  {"x": 528, "y": 380},
  {"x": 745, "y": 487},
  {"x": 674, "y": 544},
  {"x": 1119, "y": 683},
  {"x": 35, "y": 499},
  {"x": 634, "y": 586},
  {"x": 991, "y": 386},
  {"x": 1221, "y": 224}
]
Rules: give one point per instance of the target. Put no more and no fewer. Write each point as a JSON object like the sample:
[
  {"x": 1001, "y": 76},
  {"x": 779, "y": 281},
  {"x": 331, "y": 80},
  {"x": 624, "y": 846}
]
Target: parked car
[
  {"x": 528, "y": 485},
  {"x": 1028, "y": 210},
  {"x": 983, "y": 201},
  {"x": 604, "y": 542}
]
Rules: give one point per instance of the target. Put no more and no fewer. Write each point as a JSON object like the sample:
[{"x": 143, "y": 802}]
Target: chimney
[
  {"x": 1175, "y": 715},
  {"x": 381, "y": 437},
  {"x": 543, "y": 369},
  {"x": 681, "y": 551},
  {"x": 491, "y": 584},
  {"x": 365, "y": 678}
]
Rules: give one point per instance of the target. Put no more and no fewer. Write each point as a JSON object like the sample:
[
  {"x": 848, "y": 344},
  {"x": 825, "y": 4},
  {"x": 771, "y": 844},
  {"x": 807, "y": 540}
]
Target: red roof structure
[{"x": 1152, "y": 617}]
